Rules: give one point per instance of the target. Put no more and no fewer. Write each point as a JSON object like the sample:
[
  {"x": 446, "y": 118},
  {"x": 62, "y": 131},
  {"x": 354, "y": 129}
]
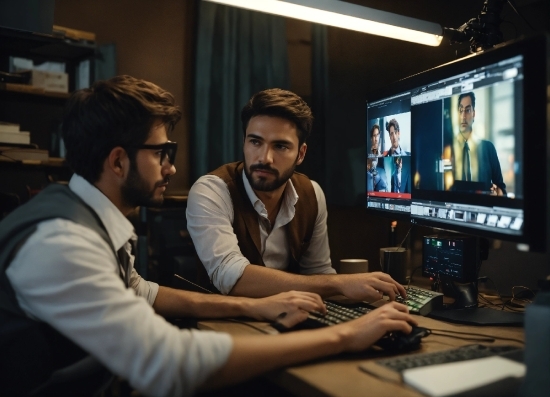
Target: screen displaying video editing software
[
  {"x": 467, "y": 141},
  {"x": 389, "y": 154}
]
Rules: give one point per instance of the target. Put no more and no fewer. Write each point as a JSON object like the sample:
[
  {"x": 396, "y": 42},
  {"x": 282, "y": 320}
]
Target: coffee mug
[{"x": 349, "y": 266}]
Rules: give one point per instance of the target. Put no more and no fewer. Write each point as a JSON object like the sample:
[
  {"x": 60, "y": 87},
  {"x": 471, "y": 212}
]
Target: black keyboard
[
  {"x": 336, "y": 314},
  {"x": 421, "y": 301},
  {"x": 463, "y": 353}
]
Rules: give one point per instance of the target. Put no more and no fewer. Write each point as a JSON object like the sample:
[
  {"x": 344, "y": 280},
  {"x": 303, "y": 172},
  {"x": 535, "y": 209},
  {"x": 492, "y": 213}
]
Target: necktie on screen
[
  {"x": 466, "y": 171},
  {"x": 125, "y": 263}
]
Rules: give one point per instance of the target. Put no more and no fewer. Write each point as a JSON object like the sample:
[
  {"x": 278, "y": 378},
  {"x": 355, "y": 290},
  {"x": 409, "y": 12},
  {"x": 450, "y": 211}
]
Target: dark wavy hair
[
  {"x": 394, "y": 123},
  {"x": 111, "y": 113},
  {"x": 472, "y": 98},
  {"x": 279, "y": 103}
]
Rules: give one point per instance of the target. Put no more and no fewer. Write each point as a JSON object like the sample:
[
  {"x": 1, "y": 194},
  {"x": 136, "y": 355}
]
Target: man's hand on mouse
[{"x": 361, "y": 333}]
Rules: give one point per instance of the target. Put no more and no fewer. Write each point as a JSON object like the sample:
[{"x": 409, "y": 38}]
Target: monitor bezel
[{"x": 535, "y": 52}]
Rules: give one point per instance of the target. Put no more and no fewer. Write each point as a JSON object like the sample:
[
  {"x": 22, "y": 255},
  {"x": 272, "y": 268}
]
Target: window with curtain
[{"x": 239, "y": 53}]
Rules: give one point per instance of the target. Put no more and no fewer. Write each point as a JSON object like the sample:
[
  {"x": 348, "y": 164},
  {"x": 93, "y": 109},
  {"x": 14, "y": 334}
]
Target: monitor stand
[{"x": 464, "y": 309}]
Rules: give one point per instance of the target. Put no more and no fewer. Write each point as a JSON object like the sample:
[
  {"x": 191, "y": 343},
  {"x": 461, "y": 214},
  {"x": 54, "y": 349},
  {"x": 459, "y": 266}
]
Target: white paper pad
[{"x": 451, "y": 378}]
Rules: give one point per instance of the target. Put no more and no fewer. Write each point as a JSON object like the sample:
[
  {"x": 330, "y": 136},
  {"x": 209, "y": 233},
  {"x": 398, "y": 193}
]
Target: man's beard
[
  {"x": 263, "y": 185},
  {"x": 135, "y": 191}
]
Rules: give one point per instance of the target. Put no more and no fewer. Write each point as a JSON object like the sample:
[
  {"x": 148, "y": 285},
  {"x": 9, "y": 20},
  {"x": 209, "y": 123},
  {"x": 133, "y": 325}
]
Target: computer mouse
[{"x": 398, "y": 341}]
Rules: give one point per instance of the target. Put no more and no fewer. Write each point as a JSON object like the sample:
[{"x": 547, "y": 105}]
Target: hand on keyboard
[
  {"x": 287, "y": 308},
  {"x": 369, "y": 287}
]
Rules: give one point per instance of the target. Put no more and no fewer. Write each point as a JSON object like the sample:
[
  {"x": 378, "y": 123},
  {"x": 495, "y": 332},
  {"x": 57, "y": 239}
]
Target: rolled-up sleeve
[
  {"x": 210, "y": 224},
  {"x": 68, "y": 277}
]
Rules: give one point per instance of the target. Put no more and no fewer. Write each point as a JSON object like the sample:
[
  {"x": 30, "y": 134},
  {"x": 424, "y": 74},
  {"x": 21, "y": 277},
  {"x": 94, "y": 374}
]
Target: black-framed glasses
[{"x": 167, "y": 150}]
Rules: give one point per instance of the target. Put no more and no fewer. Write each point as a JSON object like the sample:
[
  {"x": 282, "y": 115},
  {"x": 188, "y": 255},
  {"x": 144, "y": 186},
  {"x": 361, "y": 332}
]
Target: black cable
[
  {"x": 512, "y": 4},
  {"x": 406, "y": 235},
  {"x": 485, "y": 339},
  {"x": 412, "y": 274},
  {"x": 498, "y": 293},
  {"x": 473, "y": 334}
]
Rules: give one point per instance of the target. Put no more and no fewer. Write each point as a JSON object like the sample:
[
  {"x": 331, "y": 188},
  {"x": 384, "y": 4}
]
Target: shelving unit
[{"x": 36, "y": 110}]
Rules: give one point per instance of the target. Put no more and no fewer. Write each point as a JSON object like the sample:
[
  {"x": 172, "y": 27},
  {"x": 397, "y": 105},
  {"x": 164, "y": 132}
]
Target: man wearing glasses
[
  {"x": 72, "y": 307},
  {"x": 475, "y": 159}
]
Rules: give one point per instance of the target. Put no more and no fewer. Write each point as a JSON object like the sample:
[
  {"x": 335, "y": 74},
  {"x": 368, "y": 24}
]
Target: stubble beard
[
  {"x": 262, "y": 184},
  {"x": 135, "y": 191}
]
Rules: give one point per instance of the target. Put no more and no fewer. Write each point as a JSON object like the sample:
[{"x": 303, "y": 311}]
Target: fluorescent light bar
[{"x": 348, "y": 16}]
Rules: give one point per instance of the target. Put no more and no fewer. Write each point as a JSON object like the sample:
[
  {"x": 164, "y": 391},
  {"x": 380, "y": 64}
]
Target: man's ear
[
  {"x": 117, "y": 162},
  {"x": 301, "y": 153}
]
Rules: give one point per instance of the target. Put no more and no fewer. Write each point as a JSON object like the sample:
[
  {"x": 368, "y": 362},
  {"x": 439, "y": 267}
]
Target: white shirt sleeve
[
  {"x": 67, "y": 276},
  {"x": 210, "y": 224},
  {"x": 316, "y": 260}
]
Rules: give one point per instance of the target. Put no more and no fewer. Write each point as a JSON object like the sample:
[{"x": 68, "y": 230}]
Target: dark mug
[{"x": 393, "y": 261}]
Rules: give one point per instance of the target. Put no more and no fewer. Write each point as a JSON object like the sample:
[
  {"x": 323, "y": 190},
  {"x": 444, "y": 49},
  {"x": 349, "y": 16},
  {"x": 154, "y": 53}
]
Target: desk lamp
[{"x": 482, "y": 32}]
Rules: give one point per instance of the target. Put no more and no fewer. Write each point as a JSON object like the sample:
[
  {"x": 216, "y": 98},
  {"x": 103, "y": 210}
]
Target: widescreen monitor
[
  {"x": 479, "y": 147},
  {"x": 388, "y": 166}
]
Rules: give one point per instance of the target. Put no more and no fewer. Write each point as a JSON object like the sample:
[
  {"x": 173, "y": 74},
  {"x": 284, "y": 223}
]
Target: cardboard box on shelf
[{"x": 50, "y": 81}]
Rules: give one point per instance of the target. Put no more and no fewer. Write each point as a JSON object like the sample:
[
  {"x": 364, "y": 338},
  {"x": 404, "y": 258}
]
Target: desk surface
[{"x": 340, "y": 375}]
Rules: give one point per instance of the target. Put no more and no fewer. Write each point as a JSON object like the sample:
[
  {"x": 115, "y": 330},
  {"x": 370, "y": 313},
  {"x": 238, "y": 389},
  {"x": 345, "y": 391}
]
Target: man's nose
[
  {"x": 170, "y": 169},
  {"x": 266, "y": 156}
]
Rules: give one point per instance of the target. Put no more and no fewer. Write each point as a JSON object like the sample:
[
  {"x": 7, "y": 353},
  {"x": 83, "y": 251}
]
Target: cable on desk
[
  {"x": 444, "y": 332},
  {"x": 496, "y": 289}
]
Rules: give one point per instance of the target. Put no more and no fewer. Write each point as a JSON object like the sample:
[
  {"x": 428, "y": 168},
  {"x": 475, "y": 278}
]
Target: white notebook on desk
[{"x": 452, "y": 378}]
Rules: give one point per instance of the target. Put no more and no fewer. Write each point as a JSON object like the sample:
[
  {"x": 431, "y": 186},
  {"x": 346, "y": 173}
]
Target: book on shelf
[
  {"x": 8, "y": 127},
  {"x": 21, "y": 137},
  {"x": 23, "y": 154}
]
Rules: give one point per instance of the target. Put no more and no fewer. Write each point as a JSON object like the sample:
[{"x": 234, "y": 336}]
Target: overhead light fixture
[{"x": 348, "y": 16}]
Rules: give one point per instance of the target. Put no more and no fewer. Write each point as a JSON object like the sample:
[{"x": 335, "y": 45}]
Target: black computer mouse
[{"x": 398, "y": 341}]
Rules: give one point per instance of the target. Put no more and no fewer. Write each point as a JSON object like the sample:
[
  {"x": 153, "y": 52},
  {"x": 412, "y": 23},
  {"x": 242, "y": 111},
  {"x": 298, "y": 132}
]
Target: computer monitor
[
  {"x": 388, "y": 167},
  {"x": 479, "y": 146}
]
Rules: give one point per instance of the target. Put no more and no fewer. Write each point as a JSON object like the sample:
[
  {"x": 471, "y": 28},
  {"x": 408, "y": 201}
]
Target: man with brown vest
[{"x": 262, "y": 212}]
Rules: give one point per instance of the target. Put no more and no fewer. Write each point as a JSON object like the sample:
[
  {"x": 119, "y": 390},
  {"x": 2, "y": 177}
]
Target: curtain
[
  {"x": 239, "y": 53},
  {"x": 315, "y": 164}
]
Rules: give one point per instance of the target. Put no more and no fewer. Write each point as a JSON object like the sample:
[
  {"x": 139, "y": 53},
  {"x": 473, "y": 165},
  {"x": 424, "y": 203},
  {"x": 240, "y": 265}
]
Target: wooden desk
[{"x": 340, "y": 375}]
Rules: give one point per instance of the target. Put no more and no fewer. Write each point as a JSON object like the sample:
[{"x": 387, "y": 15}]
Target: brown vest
[{"x": 246, "y": 224}]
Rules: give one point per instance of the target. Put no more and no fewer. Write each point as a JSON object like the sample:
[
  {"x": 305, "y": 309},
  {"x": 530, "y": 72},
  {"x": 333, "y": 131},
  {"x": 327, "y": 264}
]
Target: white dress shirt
[
  {"x": 210, "y": 223},
  {"x": 67, "y": 276}
]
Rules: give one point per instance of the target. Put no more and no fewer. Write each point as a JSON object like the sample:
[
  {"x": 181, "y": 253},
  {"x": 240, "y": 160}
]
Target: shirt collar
[
  {"x": 119, "y": 228},
  {"x": 289, "y": 201},
  {"x": 472, "y": 140}
]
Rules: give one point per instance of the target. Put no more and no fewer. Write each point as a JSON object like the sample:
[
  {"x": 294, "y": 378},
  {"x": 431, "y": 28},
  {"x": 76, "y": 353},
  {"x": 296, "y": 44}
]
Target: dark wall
[
  {"x": 155, "y": 42},
  {"x": 361, "y": 63}
]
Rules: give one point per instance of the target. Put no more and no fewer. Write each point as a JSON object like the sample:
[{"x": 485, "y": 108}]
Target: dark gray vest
[{"x": 32, "y": 351}]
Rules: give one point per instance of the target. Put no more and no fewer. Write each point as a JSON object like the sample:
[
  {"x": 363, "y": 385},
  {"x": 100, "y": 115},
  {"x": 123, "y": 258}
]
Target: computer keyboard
[
  {"x": 463, "y": 353},
  {"x": 336, "y": 314},
  {"x": 421, "y": 301}
]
